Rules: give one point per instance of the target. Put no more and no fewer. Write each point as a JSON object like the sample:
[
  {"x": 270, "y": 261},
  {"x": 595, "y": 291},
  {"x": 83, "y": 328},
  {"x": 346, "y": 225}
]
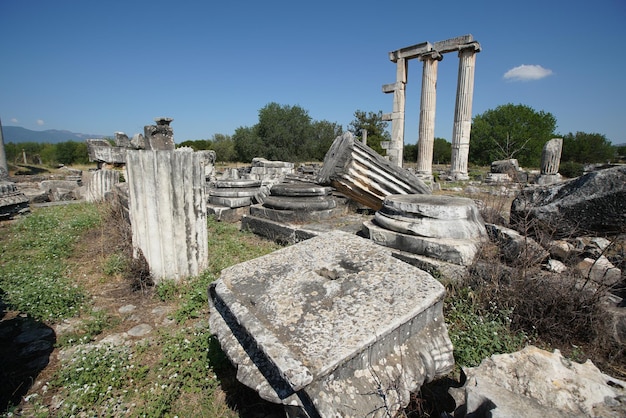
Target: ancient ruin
[
  {"x": 442, "y": 227},
  {"x": 591, "y": 204},
  {"x": 168, "y": 211},
  {"x": 430, "y": 54},
  {"x": 550, "y": 160},
  {"x": 332, "y": 326},
  {"x": 360, "y": 173}
]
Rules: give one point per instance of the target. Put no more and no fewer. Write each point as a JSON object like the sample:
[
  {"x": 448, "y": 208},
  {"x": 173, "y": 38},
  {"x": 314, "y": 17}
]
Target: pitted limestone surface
[
  {"x": 431, "y": 206},
  {"x": 234, "y": 192},
  {"x": 313, "y": 308},
  {"x": 433, "y": 228},
  {"x": 300, "y": 189},
  {"x": 237, "y": 183}
]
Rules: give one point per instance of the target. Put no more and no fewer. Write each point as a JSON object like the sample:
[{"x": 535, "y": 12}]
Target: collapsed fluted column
[
  {"x": 428, "y": 106},
  {"x": 463, "y": 112}
]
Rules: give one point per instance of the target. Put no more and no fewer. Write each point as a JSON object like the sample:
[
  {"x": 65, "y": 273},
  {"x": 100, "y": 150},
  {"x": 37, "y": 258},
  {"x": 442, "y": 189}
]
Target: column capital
[
  {"x": 430, "y": 55},
  {"x": 472, "y": 45}
]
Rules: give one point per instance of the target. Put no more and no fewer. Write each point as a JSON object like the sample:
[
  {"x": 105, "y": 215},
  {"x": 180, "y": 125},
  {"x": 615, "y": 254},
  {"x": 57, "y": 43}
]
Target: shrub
[{"x": 571, "y": 169}]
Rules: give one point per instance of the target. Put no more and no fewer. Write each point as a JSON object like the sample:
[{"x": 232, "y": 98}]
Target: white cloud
[
  {"x": 527, "y": 72},
  {"x": 40, "y": 122},
  {"x": 14, "y": 120}
]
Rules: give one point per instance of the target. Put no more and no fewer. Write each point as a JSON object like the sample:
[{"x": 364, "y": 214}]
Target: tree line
[
  {"x": 288, "y": 133},
  {"x": 67, "y": 153}
]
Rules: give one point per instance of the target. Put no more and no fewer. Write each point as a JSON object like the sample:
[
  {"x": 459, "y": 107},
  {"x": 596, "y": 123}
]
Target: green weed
[
  {"x": 477, "y": 334},
  {"x": 33, "y": 272}
]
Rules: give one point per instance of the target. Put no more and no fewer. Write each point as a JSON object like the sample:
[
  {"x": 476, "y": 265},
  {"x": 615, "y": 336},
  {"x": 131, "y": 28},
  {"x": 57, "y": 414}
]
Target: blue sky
[{"x": 104, "y": 66}]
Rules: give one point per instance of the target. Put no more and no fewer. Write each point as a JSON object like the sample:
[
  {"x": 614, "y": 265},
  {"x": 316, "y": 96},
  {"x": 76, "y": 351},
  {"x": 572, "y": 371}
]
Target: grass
[
  {"x": 33, "y": 277},
  {"x": 179, "y": 370},
  {"x": 172, "y": 373}
]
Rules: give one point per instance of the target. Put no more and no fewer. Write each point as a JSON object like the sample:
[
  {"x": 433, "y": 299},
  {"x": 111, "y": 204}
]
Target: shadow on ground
[{"x": 25, "y": 348}]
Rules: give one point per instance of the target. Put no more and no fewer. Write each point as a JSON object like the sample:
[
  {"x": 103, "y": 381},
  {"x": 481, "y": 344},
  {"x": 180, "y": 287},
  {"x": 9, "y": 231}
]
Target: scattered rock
[
  {"x": 534, "y": 382},
  {"x": 140, "y": 330},
  {"x": 591, "y": 204},
  {"x": 126, "y": 309}
]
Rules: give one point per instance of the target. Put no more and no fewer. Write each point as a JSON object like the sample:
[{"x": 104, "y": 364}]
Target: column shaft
[
  {"x": 396, "y": 148},
  {"x": 463, "y": 114},
  {"x": 428, "y": 104}
]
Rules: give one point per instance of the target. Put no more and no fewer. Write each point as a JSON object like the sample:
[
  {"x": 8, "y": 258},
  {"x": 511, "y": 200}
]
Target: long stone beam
[
  {"x": 415, "y": 51},
  {"x": 409, "y": 52},
  {"x": 452, "y": 44}
]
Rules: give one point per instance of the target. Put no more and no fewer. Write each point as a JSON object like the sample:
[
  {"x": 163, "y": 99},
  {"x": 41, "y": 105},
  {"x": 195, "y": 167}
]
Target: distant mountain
[{"x": 17, "y": 134}]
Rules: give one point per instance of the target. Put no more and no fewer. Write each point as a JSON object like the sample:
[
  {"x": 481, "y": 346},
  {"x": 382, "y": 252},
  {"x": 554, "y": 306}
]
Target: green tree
[
  {"x": 376, "y": 128},
  {"x": 324, "y": 133},
  {"x": 224, "y": 147},
  {"x": 248, "y": 145},
  {"x": 409, "y": 154},
  {"x": 65, "y": 152},
  {"x": 283, "y": 130},
  {"x": 511, "y": 131},
  {"x": 196, "y": 144},
  {"x": 587, "y": 148},
  {"x": 442, "y": 151}
]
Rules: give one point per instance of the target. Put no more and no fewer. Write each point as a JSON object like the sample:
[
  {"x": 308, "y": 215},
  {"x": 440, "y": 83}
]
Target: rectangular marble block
[{"x": 314, "y": 322}]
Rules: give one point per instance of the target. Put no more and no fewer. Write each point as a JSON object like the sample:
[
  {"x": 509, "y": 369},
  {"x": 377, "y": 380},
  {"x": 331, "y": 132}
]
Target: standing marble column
[
  {"x": 4, "y": 167},
  {"x": 428, "y": 104},
  {"x": 463, "y": 112}
]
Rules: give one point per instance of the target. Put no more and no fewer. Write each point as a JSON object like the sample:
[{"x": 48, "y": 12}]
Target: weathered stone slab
[
  {"x": 591, "y": 204},
  {"x": 296, "y": 216},
  {"x": 428, "y": 227},
  {"x": 333, "y": 326},
  {"x": 534, "y": 382},
  {"x": 363, "y": 175},
  {"x": 231, "y": 202},
  {"x": 429, "y": 206},
  {"x": 237, "y": 183},
  {"x": 227, "y": 214},
  {"x": 12, "y": 201},
  {"x": 234, "y": 192},
  {"x": 300, "y": 189},
  {"x": 453, "y": 250},
  {"x": 101, "y": 151},
  {"x": 307, "y": 203}
]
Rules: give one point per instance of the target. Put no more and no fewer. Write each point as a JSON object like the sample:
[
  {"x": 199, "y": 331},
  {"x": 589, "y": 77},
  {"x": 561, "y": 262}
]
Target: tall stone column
[
  {"x": 463, "y": 112},
  {"x": 396, "y": 145},
  {"x": 428, "y": 104},
  {"x": 4, "y": 167}
]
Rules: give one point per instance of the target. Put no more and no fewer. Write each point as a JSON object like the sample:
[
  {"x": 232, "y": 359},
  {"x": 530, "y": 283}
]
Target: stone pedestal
[
  {"x": 333, "y": 326},
  {"x": 364, "y": 176},
  {"x": 235, "y": 193},
  {"x": 291, "y": 204},
  {"x": 442, "y": 227}
]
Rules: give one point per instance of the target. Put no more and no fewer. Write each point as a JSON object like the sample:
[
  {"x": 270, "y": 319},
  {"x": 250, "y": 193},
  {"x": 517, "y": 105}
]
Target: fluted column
[
  {"x": 396, "y": 148},
  {"x": 428, "y": 104},
  {"x": 463, "y": 112},
  {"x": 4, "y": 167}
]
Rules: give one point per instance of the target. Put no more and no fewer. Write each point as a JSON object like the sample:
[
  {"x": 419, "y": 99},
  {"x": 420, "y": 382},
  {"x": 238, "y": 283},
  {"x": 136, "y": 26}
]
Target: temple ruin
[{"x": 430, "y": 54}]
